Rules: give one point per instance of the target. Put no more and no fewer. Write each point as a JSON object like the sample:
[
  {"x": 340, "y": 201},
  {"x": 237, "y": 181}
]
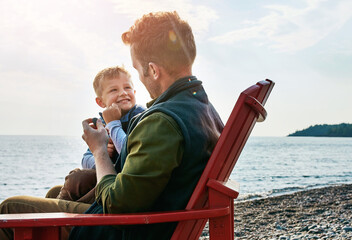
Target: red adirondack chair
[{"x": 211, "y": 200}]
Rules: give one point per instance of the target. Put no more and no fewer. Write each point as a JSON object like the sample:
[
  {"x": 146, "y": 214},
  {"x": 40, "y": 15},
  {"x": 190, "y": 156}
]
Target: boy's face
[{"x": 117, "y": 90}]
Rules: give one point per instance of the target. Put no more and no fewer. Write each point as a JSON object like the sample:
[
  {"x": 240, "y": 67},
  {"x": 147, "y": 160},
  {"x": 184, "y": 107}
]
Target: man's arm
[
  {"x": 155, "y": 149},
  {"x": 97, "y": 140}
]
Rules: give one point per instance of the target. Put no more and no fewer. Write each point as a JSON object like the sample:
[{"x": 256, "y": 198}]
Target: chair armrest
[
  {"x": 71, "y": 219},
  {"x": 231, "y": 188}
]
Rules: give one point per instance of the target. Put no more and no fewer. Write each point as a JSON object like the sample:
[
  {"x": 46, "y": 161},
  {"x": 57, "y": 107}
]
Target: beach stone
[
  {"x": 347, "y": 229},
  {"x": 238, "y": 234},
  {"x": 304, "y": 229},
  {"x": 204, "y": 234},
  {"x": 279, "y": 227},
  {"x": 314, "y": 237},
  {"x": 316, "y": 231},
  {"x": 312, "y": 227},
  {"x": 344, "y": 236}
]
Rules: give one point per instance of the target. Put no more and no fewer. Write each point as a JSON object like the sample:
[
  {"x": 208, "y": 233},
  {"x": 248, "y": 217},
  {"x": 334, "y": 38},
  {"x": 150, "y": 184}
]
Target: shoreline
[{"x": 319, "y": 213}]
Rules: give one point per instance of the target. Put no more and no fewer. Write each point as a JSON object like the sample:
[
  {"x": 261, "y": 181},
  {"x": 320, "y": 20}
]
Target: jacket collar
[{"x": 178, "y": 86}]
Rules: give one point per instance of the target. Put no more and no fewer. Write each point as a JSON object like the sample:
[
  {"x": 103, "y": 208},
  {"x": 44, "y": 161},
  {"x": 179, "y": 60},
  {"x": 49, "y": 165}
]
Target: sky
[{"x": 50, "y": 52}]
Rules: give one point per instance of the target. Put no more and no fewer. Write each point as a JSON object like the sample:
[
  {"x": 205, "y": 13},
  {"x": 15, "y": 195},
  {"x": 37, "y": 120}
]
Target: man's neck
[{"x": 170, "y": 79}]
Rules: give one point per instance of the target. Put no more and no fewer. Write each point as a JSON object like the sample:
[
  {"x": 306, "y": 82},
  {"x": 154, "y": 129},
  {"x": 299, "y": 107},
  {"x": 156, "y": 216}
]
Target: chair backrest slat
[{"x": 226, "y": 153}]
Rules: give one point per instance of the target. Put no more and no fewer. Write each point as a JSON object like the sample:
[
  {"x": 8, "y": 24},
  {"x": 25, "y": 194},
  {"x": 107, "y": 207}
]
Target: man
[{"x": 170, "y": 143}]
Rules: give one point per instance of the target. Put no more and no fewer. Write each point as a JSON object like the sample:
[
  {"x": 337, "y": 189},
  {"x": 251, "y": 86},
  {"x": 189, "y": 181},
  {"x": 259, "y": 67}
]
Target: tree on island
[{"x": 325, "y": 130}]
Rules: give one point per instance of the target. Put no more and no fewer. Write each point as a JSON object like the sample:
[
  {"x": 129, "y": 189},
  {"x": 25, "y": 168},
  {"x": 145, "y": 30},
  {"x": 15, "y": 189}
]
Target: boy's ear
[
  {"x": 154, "y": 70},
  {"x": 100, "y": 102}
]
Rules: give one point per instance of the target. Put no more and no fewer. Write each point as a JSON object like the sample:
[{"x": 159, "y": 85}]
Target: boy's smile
[{"x": 124, "y": 101}]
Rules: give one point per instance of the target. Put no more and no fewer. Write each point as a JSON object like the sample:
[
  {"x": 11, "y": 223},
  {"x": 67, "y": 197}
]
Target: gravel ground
[{"x": 324, "y": 213}]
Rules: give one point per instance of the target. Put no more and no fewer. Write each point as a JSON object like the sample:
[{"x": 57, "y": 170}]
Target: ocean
[{"x": 268, "y": 166}]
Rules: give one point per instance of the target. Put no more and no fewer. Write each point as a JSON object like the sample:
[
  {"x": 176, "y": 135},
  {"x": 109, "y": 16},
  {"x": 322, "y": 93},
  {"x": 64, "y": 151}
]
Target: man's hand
[
  {"x": 96, "y": 139},
  {"x": 112, "y": 113}
]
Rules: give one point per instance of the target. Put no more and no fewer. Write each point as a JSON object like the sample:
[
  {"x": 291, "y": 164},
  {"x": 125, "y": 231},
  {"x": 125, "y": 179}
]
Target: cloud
[
  {"x": 51, "y": 40},
  {"x": 198, "y": 16},
  {"x": 291, "y": 29}
]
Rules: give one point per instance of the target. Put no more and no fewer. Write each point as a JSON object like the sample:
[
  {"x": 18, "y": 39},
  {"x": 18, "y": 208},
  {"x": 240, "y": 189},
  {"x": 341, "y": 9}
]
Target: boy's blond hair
[{"x": 107, "y": 74}]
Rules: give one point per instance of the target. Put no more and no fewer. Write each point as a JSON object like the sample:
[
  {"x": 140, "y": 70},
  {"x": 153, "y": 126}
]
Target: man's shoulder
[
  {"x": 157, "y": 120},
  {"x": 157, "y": 116}
]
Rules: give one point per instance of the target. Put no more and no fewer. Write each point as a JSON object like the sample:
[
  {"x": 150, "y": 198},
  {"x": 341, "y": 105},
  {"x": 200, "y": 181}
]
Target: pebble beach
[{"x": 323, "y": 213}]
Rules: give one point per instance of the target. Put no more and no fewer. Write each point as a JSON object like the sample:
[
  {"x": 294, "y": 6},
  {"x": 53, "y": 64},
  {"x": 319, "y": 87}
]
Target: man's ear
[
  {"x": 100, "y": 102},
  {"x": 154, "y": 70}
]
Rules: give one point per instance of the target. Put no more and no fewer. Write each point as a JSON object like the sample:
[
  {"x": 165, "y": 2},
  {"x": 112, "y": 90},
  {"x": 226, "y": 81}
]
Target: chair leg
[{"x": 221, "y": 228}]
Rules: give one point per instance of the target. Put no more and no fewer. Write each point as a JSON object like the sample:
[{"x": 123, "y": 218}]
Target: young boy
[{"x": 115, "y": 93}]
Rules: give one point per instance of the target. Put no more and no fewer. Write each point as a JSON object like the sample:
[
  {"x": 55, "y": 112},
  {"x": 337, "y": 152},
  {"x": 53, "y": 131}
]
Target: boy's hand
[
  {"x": 96, "y": 139},
  {"x": 111, "y": 148},
  {"x": 112, "y": 113}
]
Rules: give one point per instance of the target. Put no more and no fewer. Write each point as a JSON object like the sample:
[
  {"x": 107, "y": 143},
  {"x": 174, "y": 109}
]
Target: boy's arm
[
  {"x": 112, "y": 117},
  {"x": 116, "y": 133},
  {"x": 88, "y": 161}
]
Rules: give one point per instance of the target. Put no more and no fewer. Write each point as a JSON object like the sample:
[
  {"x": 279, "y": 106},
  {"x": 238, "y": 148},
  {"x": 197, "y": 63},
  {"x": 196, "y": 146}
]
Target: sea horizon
[{"x": 267, "y": 166}]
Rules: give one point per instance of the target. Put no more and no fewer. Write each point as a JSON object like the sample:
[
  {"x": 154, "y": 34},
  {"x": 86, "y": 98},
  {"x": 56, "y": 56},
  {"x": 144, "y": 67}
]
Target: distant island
[{"x": 325, "y": 130}]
